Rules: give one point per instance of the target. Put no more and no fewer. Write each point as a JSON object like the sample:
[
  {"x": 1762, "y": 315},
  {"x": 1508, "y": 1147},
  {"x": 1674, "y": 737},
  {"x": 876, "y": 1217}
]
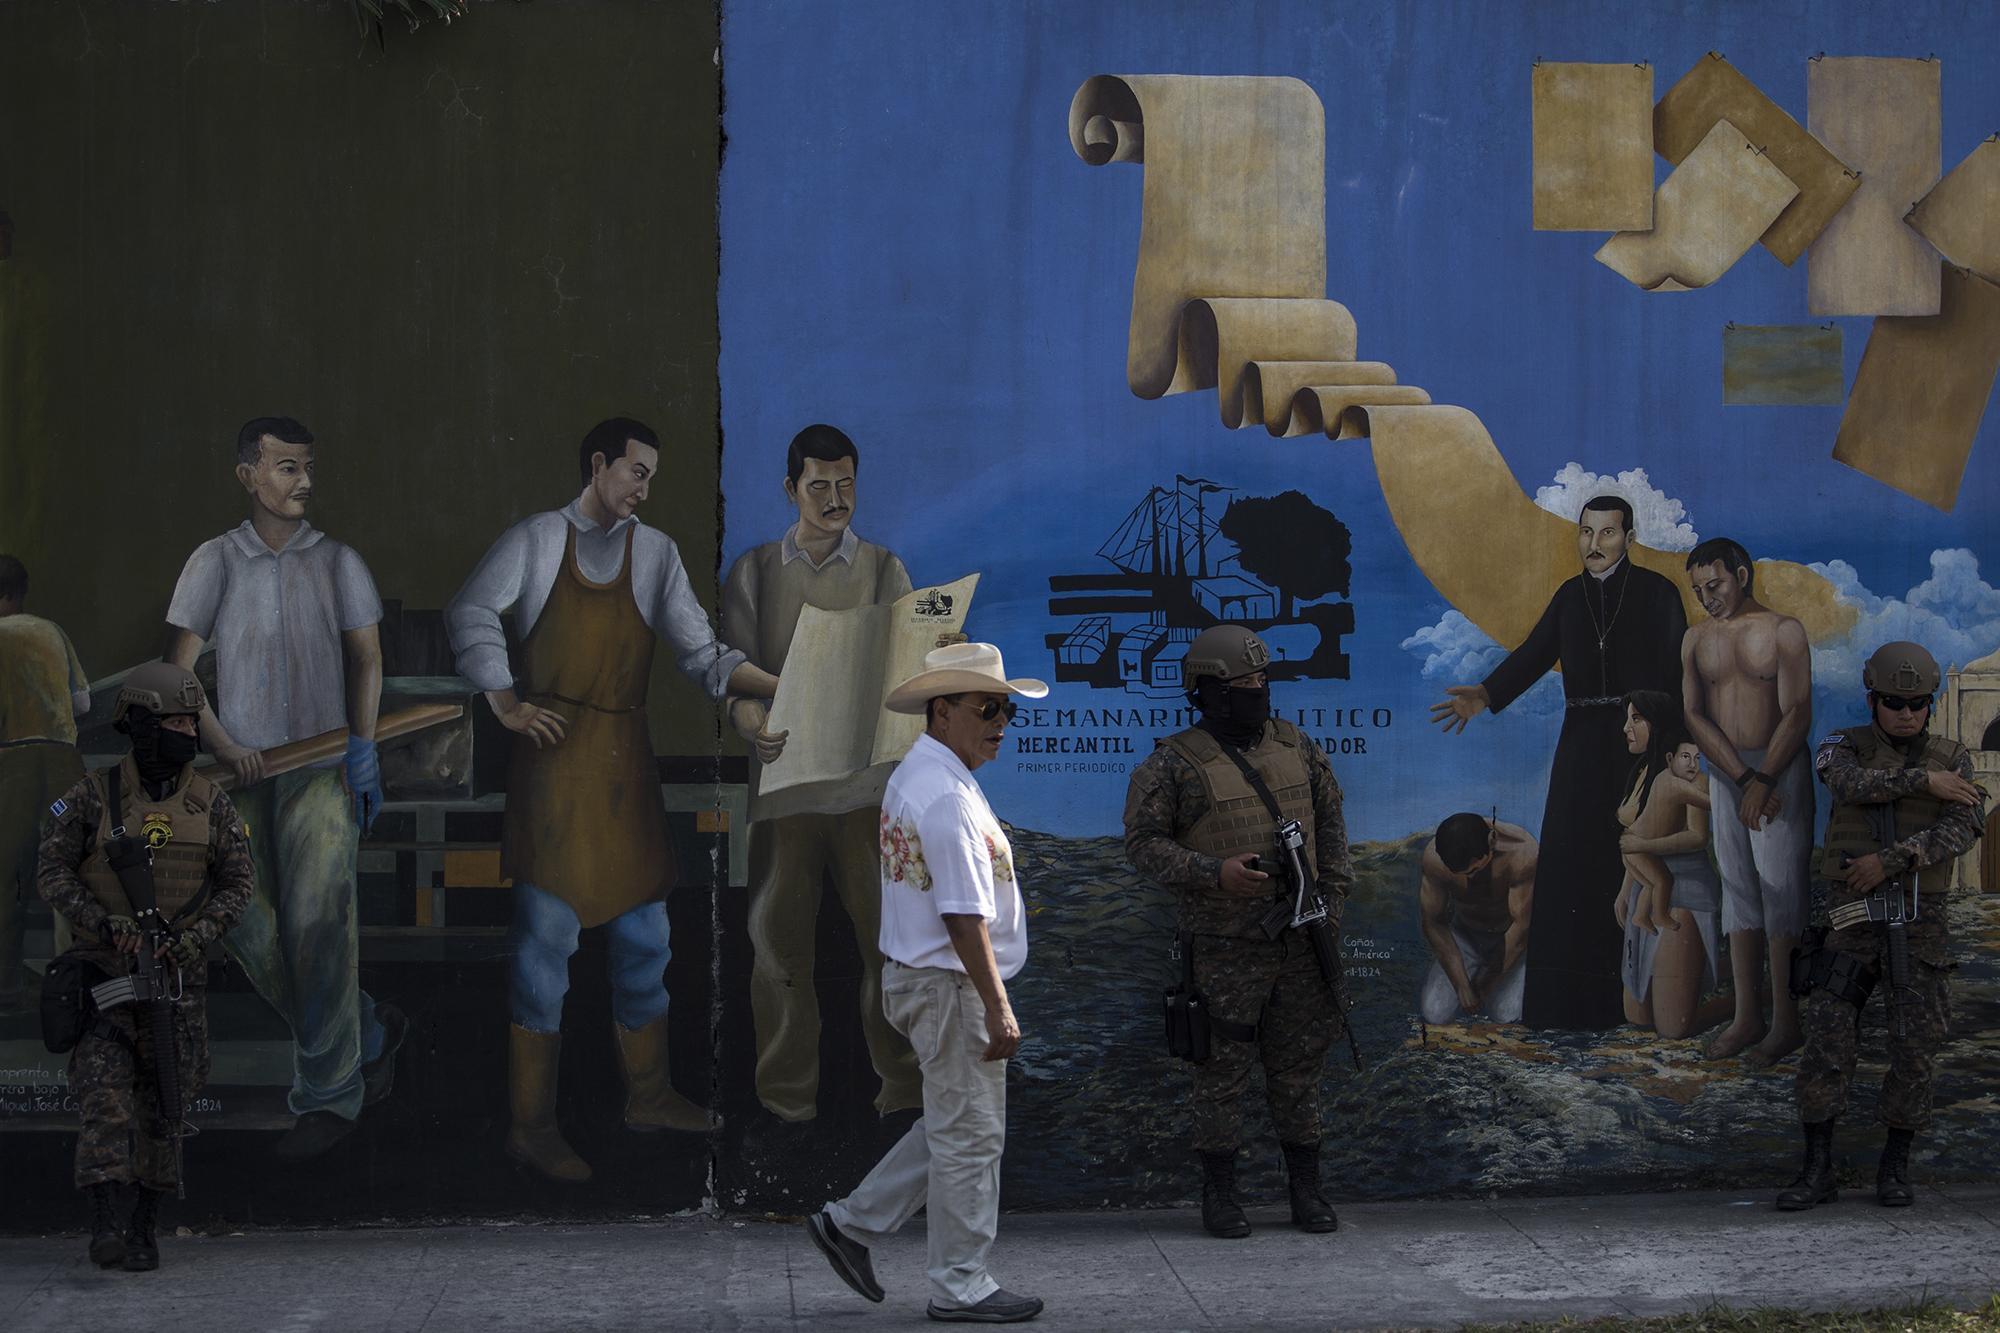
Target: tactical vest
[
  {"x": 1852, "y": 830},
  {"x": 1238, "y": 821},
  {"x": 176, "y": 828}
]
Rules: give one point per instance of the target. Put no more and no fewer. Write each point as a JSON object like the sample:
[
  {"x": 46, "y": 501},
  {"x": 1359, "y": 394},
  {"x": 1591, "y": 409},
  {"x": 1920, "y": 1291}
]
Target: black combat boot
[
  {"x": 1892, "y": 1177},
  {"x": 1219, "y": 1212},
  {"x": 1815, "y": 1183},
  {"x": 107, "y": 1247},
  {"x": 142, "y": 1247},
  {"x": 1310, "y": 1210}
]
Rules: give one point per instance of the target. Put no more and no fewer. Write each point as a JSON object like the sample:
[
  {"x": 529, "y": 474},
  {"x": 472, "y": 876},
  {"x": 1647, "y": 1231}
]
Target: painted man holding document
[
  {"x": 801, "y": 835},
  {"x": 585, "y": 838}
]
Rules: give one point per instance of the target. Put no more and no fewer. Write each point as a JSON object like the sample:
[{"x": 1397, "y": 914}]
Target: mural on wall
[
  {"x": 1616, "y": 974},
  {"x": 1569, "y": 717},
  {"x": 1257, "y": 561}
]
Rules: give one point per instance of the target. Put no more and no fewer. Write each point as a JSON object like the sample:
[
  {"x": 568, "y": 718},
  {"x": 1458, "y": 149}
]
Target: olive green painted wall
[{"x": 448, "y": 258}]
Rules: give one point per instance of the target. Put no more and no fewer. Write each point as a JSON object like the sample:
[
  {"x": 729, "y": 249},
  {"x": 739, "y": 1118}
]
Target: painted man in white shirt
[
  {"x": 295, "y": 622},
  {"x": 954, "y": 932},
  {"x": 585, "y": 838}
]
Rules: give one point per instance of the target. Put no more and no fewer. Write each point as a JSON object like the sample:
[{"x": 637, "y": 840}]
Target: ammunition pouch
[
  {"x": 1843, "y": 975},
  {"x": 1191, "y": 1028},
  {"x": 68, "y": 1012}
]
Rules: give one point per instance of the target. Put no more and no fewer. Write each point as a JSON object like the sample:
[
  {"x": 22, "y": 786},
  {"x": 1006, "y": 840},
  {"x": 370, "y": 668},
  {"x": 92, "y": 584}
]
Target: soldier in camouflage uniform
[
  {"x": 1196, "y": 824},
  {"x": 1890, "y": 769},
  {"x": 203, "y": 880}
]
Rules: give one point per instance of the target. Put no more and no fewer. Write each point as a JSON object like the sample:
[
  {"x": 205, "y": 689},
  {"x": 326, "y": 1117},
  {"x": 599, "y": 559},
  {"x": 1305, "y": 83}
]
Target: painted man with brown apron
[{"x": 585, "y": 837}]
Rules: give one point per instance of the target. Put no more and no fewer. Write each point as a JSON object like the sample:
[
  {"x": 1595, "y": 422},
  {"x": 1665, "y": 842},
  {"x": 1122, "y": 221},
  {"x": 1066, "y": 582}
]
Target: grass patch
[{"x": 1925, "y": 1316}]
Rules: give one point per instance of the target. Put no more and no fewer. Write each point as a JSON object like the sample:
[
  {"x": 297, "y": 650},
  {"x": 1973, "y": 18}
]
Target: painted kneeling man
[
  {"x": 1476, "y": 898},
  {"x": 1746, "y": 682}
]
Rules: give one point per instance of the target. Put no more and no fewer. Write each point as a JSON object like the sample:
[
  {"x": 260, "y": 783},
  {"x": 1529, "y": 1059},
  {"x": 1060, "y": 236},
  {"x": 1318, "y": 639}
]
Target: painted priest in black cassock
[{"x": 1613, "y": 628}]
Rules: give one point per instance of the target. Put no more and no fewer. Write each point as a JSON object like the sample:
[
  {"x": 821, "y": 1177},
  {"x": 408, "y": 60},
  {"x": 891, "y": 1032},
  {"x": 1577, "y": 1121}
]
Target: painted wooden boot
[{"x": 651, "y": 1103}]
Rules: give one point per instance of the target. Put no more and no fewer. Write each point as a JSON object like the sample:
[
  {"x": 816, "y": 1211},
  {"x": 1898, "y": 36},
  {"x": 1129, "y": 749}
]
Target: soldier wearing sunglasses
[{"x": 1905, "y": 807}]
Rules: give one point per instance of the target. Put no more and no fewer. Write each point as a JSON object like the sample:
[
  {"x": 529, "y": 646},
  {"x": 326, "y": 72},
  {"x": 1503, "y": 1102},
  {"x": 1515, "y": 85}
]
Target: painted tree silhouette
[{"x": 1290, "y": 543}]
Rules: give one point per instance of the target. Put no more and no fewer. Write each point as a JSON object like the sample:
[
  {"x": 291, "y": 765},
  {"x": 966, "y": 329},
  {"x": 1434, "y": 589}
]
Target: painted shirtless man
[
  {"x": 1477, "y": 894},
  {"x": 1746, "y": 681}
]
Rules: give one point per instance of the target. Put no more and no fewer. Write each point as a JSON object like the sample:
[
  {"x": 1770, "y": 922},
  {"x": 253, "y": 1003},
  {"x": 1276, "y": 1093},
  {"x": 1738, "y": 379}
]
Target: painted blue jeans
[
  {"x": 299, "y": 940},
  {"x": 543, "y": 937}
]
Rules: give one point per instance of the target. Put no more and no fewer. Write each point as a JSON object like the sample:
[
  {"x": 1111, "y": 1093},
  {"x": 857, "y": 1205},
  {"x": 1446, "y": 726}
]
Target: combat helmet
[
  {"x": 159, "y": 687},
  {"x": 1225, "y": 651},
  {"x": 1902, "y": 668}
]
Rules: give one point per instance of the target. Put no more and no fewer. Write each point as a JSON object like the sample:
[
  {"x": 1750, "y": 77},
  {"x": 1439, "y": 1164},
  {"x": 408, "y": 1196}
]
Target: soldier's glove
[
  {"x": 186, "y": 950},
  {"x": 116, "y": 929}
]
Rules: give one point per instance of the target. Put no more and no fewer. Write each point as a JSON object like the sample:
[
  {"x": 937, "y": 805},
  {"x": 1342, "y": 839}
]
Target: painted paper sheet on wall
[
  {"x": 1880, "y": 117},
  {"x": 1719, "y": 200},
  {"x": 1593, "y": 143},
  {"x": 1781, "y": 365},
  {"x": 1415, "y": 443},
  {"x": 1961, "y": 214},
  {"x": 1223, "y": 218},
  {"x": 1716, "y": 90},
  {"x": 1922, "y": 388},
  {"x": 841, "y": 666}
]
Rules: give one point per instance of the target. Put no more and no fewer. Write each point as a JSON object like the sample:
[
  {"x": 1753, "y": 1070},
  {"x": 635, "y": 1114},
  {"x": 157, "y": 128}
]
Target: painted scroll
[
  {"x": 1719, "y": 200},
  {"x": 1881, "y": 117},
  {"x": 1715, "y": 90},
  {"x": 1921, "y": 391},
  {"x": 1593, "y": 147},
  {"x": 1222, "y": 163},
  {"x": 1234, "y": 206}
]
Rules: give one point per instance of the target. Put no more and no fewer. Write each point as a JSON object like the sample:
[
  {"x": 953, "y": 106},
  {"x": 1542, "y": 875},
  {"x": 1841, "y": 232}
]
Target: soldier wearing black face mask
[
  {"x": 1204, "y": 815},
  {"x": 198, "y": 861}
]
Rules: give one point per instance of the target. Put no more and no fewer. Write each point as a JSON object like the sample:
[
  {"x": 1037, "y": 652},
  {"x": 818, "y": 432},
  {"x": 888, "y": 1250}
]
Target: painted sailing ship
[{"x": 1173, "y": 574}]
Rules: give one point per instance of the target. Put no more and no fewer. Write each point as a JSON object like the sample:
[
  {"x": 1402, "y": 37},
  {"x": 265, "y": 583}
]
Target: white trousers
[{"x": 949, "y": 1162}]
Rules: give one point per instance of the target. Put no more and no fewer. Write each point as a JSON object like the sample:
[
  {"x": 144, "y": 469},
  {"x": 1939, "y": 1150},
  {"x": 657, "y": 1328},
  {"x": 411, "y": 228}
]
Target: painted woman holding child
[{"x": 1669, "y": 902}]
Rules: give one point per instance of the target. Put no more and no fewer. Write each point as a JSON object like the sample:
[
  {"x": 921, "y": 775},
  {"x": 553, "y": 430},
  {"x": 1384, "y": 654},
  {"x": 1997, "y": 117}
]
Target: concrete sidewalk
[{"x": 1435, "y": 1264}]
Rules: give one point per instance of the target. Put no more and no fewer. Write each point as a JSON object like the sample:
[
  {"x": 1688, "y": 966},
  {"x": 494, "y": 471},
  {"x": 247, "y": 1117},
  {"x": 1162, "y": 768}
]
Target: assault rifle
[
  {"x": 1892, "y": 911},
  {"x": 1305, "y": 909},
  {"x": 149, "y": 988}
]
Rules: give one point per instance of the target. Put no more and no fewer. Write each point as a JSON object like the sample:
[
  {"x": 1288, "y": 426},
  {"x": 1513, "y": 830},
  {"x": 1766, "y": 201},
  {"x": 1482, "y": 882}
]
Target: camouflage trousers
[
  {"x": 124, "y": 1137},
  {"x": 1833, "y": 1035},
  {"x": 1276, "y": 985}
]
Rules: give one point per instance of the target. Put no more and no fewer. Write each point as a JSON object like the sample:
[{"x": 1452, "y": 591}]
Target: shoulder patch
[{"x": 59, "y": 809}]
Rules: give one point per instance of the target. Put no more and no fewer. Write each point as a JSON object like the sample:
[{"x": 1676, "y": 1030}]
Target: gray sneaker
[
  {"x": 849, "y": 1257},
  {"x": 1002, "y": 1307}
]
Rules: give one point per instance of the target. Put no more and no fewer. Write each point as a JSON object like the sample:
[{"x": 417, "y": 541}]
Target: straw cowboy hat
[{"x": 962, "y": 668}]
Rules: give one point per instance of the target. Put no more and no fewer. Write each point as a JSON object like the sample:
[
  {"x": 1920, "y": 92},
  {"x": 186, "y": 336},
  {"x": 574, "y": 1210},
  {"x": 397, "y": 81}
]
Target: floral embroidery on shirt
[
  {"x": 903, "y": 854},
  {"x": 1002, "y": 857}
]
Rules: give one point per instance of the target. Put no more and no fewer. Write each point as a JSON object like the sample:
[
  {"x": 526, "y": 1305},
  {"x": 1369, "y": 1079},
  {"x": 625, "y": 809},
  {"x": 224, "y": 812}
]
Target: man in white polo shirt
[{"x": 954, "y": 932}]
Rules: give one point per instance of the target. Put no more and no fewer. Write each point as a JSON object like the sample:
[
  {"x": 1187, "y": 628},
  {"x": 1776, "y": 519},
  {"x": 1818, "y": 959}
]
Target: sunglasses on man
[
  {"x": 991, "y": 709},
  {"x": 1898, "y": 703}
]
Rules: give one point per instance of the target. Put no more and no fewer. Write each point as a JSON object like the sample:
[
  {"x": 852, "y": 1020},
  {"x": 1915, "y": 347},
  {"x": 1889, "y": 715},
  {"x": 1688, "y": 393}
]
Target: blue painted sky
[{"x": 911, "y": 251}]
